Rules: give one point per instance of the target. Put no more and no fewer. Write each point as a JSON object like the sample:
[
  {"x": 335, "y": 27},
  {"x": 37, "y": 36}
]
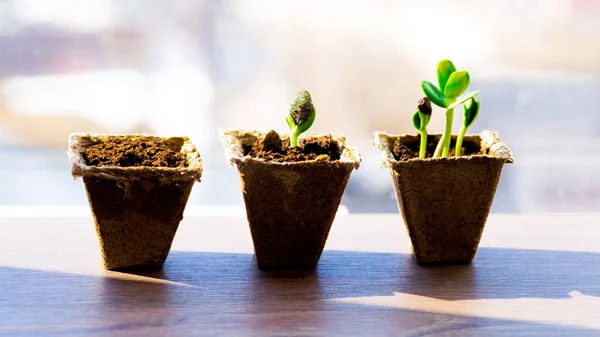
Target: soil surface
[
  {"x": 408, "y": 151},
  {"x": 272, "y": 148},
  {"x": 127, "y": 153}
]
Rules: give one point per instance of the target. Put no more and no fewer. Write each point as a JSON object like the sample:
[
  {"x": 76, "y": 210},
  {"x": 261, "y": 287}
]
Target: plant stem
[
  {"x": 438, "y": 149},
  {"x": 459, "y": 141},
  {"x": 423, "y": 146},
  {"x": 294, "y": 137},
  {"x": 448, "y": 132}
]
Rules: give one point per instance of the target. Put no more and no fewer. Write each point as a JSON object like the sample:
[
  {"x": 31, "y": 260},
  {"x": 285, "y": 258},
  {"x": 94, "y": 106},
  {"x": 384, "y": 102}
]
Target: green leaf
[
  {"x": 445, "y": 68},
  {"x": 290, "y": 121},
  {"x": 471, "y": 108},
  {"x": 420, "y": 120},
  {"x": 417, "y": 121},
  {"x": 458, "y": 82},
  {"x": 306, "y": 125},
  {"x": 435, "y": 95},
  {"x": 464, "y": 99}
]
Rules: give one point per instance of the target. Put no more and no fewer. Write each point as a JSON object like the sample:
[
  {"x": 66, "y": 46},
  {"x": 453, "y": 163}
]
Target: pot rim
[
  {"x": 489, "y": 140},
  {"x": 234, "y": 138},
  {"x": 81, "y": 169}
]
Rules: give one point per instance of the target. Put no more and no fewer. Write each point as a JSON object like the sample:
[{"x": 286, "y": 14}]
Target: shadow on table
[
  {"x": 349, "y": 289},
  {"x": 495, "y": 273},
  {"x": 234, "y": 277},
  {"x": 508, "y": 273},
  {"x": 40, "y": 303},
  {"x": 202, "y": 291}
]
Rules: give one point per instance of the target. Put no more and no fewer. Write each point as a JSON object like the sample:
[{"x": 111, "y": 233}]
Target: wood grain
[{"x": 535, "y": 275}]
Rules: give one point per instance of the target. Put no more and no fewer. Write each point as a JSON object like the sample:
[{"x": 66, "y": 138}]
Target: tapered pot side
[
  {"x": 445, "y": 202},
  {"x": 290, "y": 206},
  {"x": 136, "y": 210}
]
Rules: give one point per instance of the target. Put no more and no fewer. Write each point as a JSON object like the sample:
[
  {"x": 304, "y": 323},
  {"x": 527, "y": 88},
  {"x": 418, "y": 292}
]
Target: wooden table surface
[{"x": 535, "y": 275}]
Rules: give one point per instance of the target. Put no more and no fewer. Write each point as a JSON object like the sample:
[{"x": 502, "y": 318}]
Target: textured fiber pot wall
[
  {"x": 136, "y": 210},
  {"x": 445, "y": 202},
  {"x": 290, "y": 206}
]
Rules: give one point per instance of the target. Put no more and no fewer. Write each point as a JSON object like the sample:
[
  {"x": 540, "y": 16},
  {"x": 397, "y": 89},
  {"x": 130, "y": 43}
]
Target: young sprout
[
  {"x": 420, "y": 120},
  {"x": 301, "y": 116},
  {"x": 452, "y": 84},
  {"x": 471, "y": 111}
]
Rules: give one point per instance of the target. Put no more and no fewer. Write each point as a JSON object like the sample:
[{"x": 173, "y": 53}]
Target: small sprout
[
  {"x": 420, "y": 120},
  {"x": 301, "y": 116},
  {"x": 452, "y": 84},
  {"x": 471, "y": 111}
]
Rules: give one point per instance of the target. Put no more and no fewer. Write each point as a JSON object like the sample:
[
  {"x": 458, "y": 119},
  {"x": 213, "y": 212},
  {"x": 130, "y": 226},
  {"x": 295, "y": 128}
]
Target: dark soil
[
  {"x": 272, "y": 148},
  {"x": 127, "y": 153},
  {"x": 406, "y": 151}
]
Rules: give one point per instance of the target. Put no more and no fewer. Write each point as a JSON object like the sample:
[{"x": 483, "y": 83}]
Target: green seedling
[
  {"x": 420, "y": 120},
  {"x": 452, "y": 84},
  {"x": 301, "y": 116},
  {"x": 471, "y": 111}
]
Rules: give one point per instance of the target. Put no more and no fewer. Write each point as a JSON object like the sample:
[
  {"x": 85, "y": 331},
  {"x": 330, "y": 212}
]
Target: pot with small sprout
[
  {"x": 445, "y": 184},
  {"x": 292, "y": 186}
]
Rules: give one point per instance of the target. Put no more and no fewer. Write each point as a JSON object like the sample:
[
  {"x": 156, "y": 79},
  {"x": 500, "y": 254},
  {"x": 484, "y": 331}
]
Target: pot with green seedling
[
  {"x": 445, "y": 184},
  {"x": 292, "y": 186}
]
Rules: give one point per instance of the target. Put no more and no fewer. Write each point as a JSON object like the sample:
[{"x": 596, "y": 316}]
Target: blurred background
[{"x": 189, "y": 67}]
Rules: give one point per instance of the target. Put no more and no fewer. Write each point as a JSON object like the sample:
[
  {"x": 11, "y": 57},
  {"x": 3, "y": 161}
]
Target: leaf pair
[{"x": 452, "y": 84}]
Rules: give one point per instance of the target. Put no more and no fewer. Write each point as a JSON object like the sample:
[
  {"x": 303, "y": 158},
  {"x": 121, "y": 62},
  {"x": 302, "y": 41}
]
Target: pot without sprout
[{"x": 136, "y": 209}]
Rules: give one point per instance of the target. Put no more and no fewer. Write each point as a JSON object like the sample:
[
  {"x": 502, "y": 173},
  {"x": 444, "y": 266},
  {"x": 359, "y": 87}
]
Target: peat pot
[
  {"x": 136, "y": 209},
  {"x": 290, "y": 205},
  {"x": 445, "y": 202}
]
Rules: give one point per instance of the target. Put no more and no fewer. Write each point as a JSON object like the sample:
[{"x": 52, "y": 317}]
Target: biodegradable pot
[
  {"x": 445, "y": 202},
  {"x": 136, "y": 210},
  {"x": 290, "y": 206}
]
